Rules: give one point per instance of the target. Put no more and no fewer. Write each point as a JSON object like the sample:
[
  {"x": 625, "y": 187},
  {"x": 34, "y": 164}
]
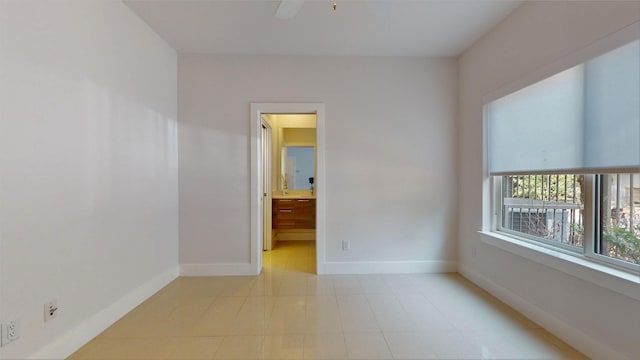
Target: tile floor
[{"x": 290, "y": 313}]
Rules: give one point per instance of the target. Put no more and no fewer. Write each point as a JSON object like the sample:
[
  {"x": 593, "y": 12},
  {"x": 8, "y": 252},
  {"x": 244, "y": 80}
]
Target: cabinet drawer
[
  {"x": 294, "y": 213},
  {"x": 285, "y": 214},
  {"x": 283, "y": 204}
]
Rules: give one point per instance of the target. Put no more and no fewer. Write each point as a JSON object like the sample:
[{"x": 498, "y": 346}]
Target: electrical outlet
[
  {"x": 346, "y": 245},
  {"x": 9, "y": 332},
  {"x": 474, "y": 251},
  {"x": 50, "y": 310}
]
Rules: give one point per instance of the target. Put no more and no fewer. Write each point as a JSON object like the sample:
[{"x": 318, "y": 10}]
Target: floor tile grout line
[{"x": 368, "y": 288}]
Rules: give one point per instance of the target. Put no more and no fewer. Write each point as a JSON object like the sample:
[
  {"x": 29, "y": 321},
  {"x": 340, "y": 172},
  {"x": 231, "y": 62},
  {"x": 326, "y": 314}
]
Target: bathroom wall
[
  {"x": 291, "y": 128},
  {"x": 304, "y": 161},
  {"x": 291, "y": 135}
]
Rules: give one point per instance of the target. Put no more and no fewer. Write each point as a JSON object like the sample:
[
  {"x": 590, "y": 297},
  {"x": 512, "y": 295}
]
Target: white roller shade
[
  {"x": 583, "y": 120},
  {"x": 612, "y": 109}
]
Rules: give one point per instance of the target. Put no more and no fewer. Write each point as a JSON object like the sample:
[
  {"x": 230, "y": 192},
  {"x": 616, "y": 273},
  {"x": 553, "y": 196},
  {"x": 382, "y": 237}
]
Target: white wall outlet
[
  {"x": 50, "y": 310},
  {"x": 474, "y": 251},
  {"x": 346, "y": 245},
  {"x": 9, "y": 332}
]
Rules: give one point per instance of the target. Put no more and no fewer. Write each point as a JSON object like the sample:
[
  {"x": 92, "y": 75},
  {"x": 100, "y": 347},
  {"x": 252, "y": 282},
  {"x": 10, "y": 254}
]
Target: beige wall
[{"x": 293, "y": 136}]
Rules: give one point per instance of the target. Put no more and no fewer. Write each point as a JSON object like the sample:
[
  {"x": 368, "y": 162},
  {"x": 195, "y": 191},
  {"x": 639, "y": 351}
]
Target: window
[
  {"x": 550, "y": 209},
  {"x": 619, "y": 217},
  {"x": 564, "y": 158},
  {"x": 545, "y": 207}
]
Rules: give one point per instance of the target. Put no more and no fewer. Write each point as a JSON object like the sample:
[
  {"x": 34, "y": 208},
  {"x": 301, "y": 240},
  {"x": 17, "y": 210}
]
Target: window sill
[{"x": 622, "y": 282}]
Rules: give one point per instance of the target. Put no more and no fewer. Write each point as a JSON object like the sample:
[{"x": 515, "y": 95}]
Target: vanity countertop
[{"x": 302, "y": 194}]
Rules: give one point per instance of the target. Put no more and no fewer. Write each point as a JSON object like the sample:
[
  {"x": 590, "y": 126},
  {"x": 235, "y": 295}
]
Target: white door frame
[
  {"x": 257, "y": 109},
  {"x": 265, "y": 136}
]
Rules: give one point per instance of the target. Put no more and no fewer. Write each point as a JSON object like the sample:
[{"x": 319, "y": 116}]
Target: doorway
[
  {"x": 265, "y": 180},
  {"x": 296, "y": 256}
]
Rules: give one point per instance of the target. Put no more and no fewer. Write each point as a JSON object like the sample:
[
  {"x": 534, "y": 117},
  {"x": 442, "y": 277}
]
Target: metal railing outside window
[{"x": 550, "y": 207}]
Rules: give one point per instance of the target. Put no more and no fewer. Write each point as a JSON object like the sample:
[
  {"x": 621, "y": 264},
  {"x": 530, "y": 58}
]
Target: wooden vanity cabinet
[{"x": 294, "y": 213}]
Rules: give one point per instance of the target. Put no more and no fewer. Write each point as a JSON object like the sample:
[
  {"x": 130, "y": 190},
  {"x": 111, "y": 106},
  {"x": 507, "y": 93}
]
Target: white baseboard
[
  {"x": 574, "y": 337},
  {"x": 75, "y": 338},
  {"x": 389, "y": 267},
  {"x": 231, "y": 269}
]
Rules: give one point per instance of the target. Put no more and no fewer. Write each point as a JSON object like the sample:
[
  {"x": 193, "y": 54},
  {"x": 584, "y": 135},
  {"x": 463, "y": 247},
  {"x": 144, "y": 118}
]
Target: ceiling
[{"x": 355, "y": 28}]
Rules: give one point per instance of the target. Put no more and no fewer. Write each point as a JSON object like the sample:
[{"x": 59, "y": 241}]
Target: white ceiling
[{"x": 367, "y": 28}]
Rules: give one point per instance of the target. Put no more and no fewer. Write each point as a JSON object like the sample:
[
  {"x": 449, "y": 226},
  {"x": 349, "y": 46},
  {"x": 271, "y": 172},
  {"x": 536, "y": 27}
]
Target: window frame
[
  {"x": 591, "y": 251},
  {"x": 497, "y": 226},
  {"x": 591, "y": 223}
]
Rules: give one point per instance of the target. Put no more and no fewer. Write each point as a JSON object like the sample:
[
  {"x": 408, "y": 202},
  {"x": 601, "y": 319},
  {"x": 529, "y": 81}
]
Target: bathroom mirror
[{"x": 298, "y": 166}]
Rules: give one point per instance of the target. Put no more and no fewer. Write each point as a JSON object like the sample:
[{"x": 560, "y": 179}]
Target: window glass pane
[
  {"x": 548, "y": 207},
  {"x": 620, "y": 217}
]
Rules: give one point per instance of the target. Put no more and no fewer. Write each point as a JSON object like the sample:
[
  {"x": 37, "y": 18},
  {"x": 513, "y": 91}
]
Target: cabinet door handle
[
  {"x": 287, "y": 211},
  {"x": 301, "y": 200}
]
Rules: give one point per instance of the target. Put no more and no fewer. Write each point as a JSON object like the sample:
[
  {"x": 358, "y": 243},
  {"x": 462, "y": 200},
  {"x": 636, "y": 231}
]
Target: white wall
[
  {"x": 88, "y": 169},
  {"x": 390, "y": 158},
  {"x": 603, "y": 323}
]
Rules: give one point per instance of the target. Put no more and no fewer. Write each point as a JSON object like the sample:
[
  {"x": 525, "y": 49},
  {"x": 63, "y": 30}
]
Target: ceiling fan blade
[{"x": 288, "y": 8}]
